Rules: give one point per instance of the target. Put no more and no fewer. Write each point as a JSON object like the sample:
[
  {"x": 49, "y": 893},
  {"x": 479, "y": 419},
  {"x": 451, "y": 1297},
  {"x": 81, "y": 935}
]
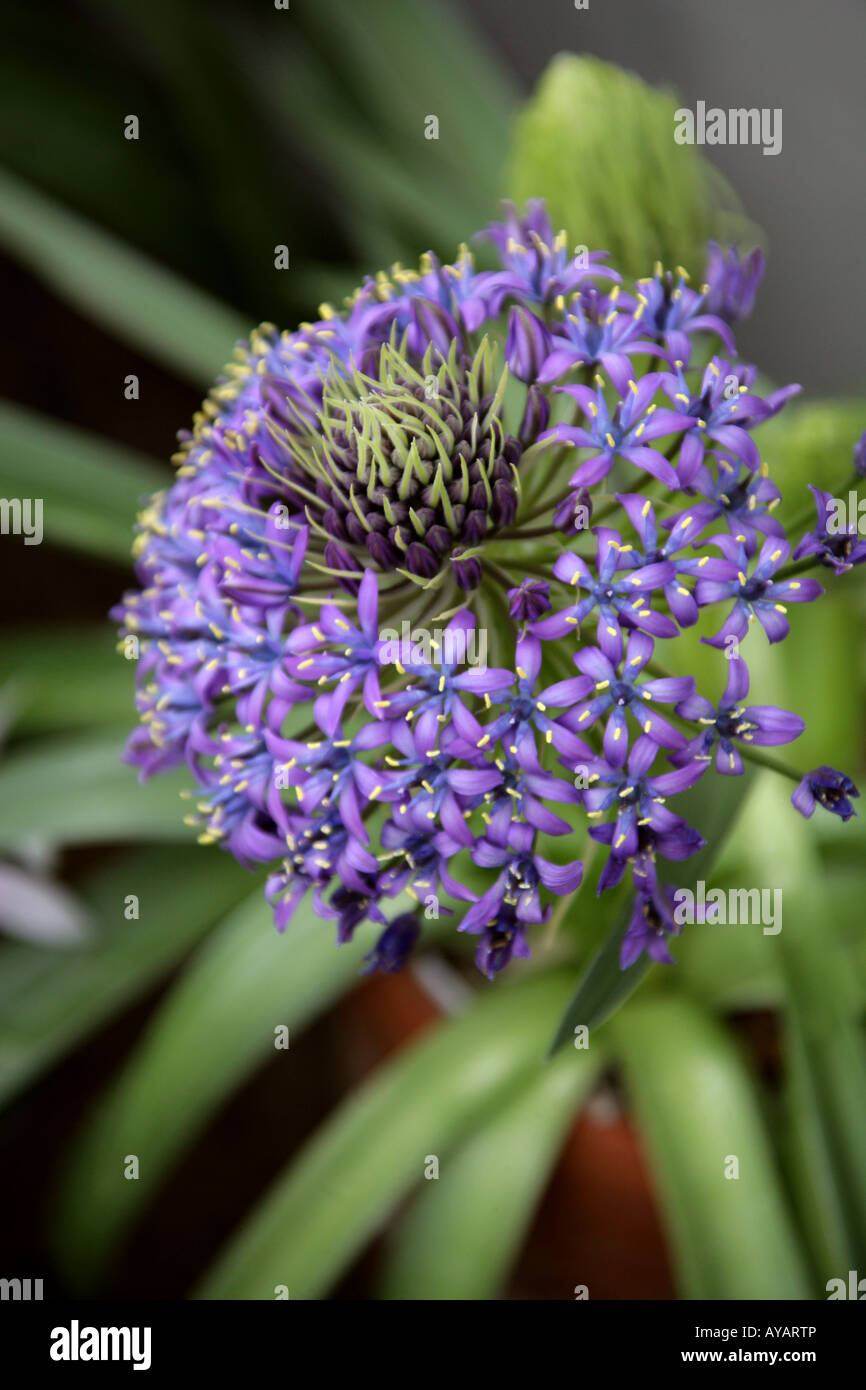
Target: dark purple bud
[
  {"x": 860, "y": 456},
  {"x": 574, "y": 513},
  {"x": 467, "y": 572},
  {"x": 475, "y": 527},
  {"x": 421, "y": 561},
  {"x": 439, "y": 539},
  {"x": 504, "y": 508},
  {"x": 336, "y": 558},
  {"x": 527, "y": 602},
  {"x": 536, "y": 415},
  {"x": 386, "y": 555},
  {"x": 527, "y": 346}
]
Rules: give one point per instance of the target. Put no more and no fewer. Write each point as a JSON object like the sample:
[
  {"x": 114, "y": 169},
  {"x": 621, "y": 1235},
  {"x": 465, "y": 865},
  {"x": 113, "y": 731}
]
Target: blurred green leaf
[
  {"x": 66, "y": 678},
  {"x": 90, "y": 489},
  {"x": 461, "y": 1235},
  {"x": 49, "y": 1000},
  {"x": 732, "y": 1238},
  {"x": 77, "y": 791},
  {"x": 811, "y": 442},
  {"x": 131, "y": 297},
  {"x": 826, "y": 1081},
  {"x": 598, "y": 144},
  {"x": 215, "y": 1026},
  {"x": 372, "y": 1150}
]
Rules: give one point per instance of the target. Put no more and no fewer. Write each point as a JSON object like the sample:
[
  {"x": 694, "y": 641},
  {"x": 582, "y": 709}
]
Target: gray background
[{"x": 807, "y": 57}]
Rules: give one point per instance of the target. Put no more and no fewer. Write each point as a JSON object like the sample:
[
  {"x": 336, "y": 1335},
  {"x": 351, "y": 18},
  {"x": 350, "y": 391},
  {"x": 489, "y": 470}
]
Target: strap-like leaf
[
  {"x": 462, "y": 1233},
  {"x": 729, "y": 1227},
  {"x": 142, "y": 304},
  {"x": 374, "y": 1148}
]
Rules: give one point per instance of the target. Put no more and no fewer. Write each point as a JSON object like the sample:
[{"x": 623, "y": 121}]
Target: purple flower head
[
  {"x": 364, "y": 505},
  {"x": 860, "y": 456},
  {"x": 732, "y": 282},
  {"x": 828, "y": 788}
]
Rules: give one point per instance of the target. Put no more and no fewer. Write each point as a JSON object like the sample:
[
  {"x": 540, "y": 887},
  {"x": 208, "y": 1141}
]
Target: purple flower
[
  {"x": 860, "y": 456},
  {"x": 514, "y": 900},
  {"x": 742, "y": 499},
  {"x": 537, "y": 267},
  {"x": 529, "y": 600},
  {"x": 715, "y": 411},
  {"x": 527, "y": 345},
  {"x": 623, "y": 434},
  {"x": 837, "y": 548},
  {"x": 651, "y": 924},
  {"x": 671, "y": 312},
  {"x": 596, "y": 331},
  {"x": 732, "y": 283},
  {"x": 621, "y": 598},
  {"x": 314, "y": 655},
  {"x": 828, "y": 788},
  {"x": 762, "y": 725},
  {"x": 528, "y": 710},
  {"x": 639, "y": 799},
  {"x": 758, "y": 595},
  {"x": 615, "y": 692}
]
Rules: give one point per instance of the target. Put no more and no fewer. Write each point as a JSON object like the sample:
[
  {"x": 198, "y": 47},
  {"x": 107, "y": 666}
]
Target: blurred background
[{"x": 259, "y": 127}]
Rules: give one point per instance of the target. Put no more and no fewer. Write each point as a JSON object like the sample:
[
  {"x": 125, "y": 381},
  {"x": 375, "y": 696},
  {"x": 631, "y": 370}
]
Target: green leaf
[
  {"x": 66, "y": 678},
  {"x": 462, "y": 1234},
  {"x": 91, "y": 490},
  {"x": 77, "y": 791},
  {"x": 142, "y": 304},
  {"x": 827, "y": 1075},
  {"x": 372, "y": 1150},
  {"x": 731, "y": 1237},
  {"x": 595, "y": 141},
  {"x": 216, "y": 1025},
  {"x": 603, "y": 987},
  {"x": 49, "y": 1000}
]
